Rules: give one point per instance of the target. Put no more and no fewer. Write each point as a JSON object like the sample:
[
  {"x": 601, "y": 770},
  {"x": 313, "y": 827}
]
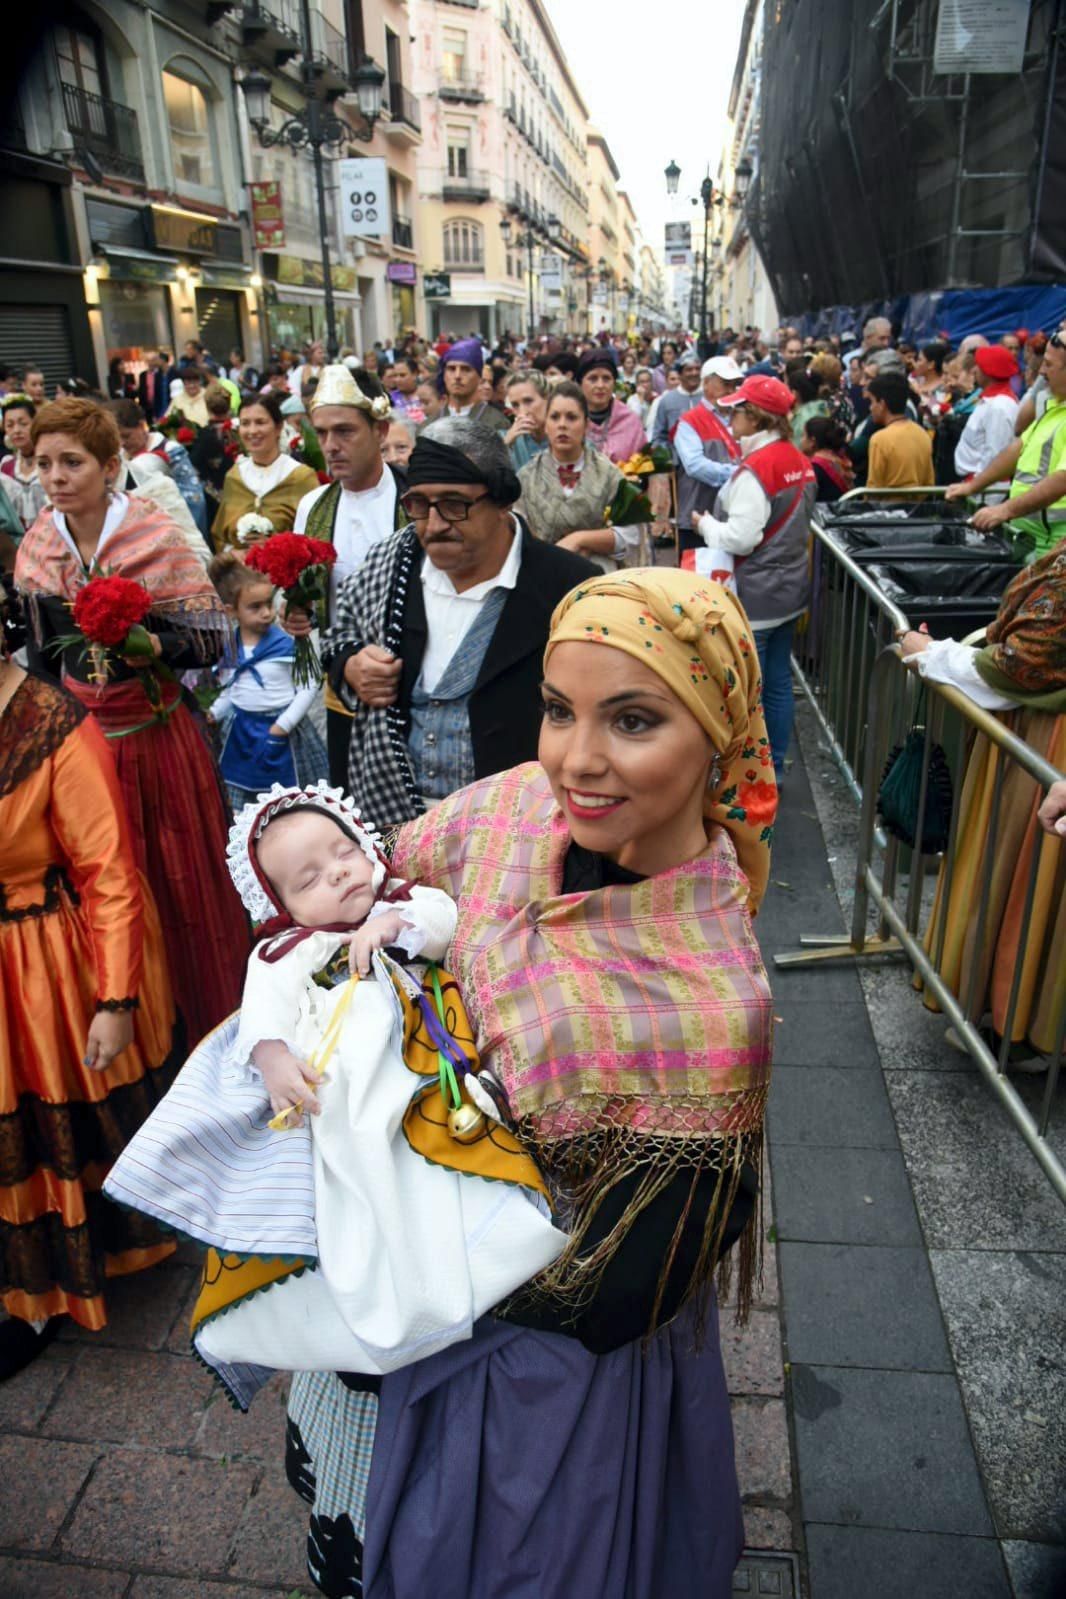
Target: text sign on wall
[
  {"x": 678, "y": 237},
  {"x": 364, "y": 184},
  {"x": 981, "y": 36}
]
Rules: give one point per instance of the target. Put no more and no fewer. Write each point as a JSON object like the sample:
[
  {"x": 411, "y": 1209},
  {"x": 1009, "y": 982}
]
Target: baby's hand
[
  {"x": 376, "y": 934},
  {"x": 290, "y": 1081}
]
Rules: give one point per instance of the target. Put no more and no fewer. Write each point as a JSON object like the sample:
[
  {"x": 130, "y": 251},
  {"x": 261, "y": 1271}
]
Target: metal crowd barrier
[
  {"x": 849, "y": 622},
  {"x": 851, "y": 652}
]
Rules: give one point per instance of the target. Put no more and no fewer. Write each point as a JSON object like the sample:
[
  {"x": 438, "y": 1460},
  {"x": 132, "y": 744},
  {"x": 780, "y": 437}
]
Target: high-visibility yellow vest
[{"x": 1043, "y": 452}]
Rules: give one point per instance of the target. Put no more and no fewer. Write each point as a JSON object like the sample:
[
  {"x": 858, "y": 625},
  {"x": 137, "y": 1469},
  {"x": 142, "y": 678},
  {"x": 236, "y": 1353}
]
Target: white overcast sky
[{"x": 656, "y": 80}]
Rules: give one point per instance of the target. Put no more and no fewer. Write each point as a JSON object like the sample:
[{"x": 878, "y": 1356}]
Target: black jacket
[{"x": 505, "y": 706}]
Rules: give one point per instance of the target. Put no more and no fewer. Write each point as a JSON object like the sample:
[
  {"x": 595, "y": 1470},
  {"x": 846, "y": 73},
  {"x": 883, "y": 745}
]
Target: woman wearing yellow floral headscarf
[{"x": 581, "y": 1440}]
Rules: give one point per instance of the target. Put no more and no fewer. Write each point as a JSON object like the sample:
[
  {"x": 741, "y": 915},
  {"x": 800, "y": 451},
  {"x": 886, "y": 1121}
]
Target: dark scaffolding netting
[{"x": 878, "y": 177}]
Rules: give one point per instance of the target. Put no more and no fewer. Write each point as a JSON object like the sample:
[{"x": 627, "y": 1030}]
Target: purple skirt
[{"x": 520, "y": 1466}]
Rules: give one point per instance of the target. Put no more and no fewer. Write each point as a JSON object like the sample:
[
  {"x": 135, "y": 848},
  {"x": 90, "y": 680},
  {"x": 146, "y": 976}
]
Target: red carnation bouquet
[
  {"x": 300, "y": 567},
  {"x": 109, "y": 613}
]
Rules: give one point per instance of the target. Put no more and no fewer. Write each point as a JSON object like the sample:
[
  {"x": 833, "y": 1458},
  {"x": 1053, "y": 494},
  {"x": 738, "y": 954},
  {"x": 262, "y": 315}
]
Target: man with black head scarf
[{"x": 437, "y": 639}]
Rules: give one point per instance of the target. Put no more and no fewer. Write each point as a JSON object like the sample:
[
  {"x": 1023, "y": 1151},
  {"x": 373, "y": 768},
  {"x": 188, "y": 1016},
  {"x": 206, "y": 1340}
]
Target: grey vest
[
  {"x": 692, "y": 495},
  {"x": 438, "y": 742},
  {"x": 774, "y": 580}
]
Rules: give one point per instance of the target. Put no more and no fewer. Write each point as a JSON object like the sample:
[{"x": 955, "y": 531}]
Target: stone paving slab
[
  {"x": 39, "y": 1482},
  {"x": 886, "y": 1449},
  {"x": 142, "y": 1315},
  {"x": 976, "y": 1184},
  {"x": 803, "y": 1036},
  {"x": 130, "y": 1397},
  {"x": 38, "y": 1579},
  {"x": 160, "y": 1511},
  {"x": 1006, "y": 1315},
  {"x": 873, "y": 1563},
  {"x": 1038, "y": 1571},
  {"x": 843, "y": 1196},
  {"x": 841, "y": 1106},
  {"x": 851, "y": 1305}
]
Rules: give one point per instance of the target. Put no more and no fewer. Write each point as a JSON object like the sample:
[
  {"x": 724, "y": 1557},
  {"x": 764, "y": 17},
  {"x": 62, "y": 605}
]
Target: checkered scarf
[{"x": 370, "y": 610}]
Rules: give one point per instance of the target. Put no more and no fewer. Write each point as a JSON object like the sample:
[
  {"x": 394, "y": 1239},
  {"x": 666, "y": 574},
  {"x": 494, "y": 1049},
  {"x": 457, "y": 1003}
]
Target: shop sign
[
  {"x": 678, "y": 237},
  {"x": 364, "y": 186},
  {"x": 294, "y": 272},
  {"x": 551, "y": 276},
  {"x": 437, "y": 285},
  {"x": 268, "y": 218},
  {"x": 140, "y": 271},
  {"x": 401, "y": 272},
  {"x": 981, "y": 36},
  {"x": 219, "y": 278},
  {"x": 185, "y": 231}
]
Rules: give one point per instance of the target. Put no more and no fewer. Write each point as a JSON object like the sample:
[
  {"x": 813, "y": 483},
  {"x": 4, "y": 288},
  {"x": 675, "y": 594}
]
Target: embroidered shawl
[
  {"x": 1025, "y": 654},
  {"x": 551, "y": 514},
  {"x": 146, "y": 547}
]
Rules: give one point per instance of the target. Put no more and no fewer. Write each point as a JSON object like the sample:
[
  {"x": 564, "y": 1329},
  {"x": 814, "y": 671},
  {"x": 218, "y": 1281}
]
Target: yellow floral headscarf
[{"x": 694, "y": 634}]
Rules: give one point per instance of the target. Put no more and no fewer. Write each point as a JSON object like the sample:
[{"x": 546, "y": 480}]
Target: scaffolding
[{"x": 880, "y": 177}]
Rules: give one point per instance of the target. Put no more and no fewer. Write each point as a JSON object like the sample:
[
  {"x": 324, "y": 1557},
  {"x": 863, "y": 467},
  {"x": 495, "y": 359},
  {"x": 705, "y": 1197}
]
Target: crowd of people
[{"x": 551, "y": 677}]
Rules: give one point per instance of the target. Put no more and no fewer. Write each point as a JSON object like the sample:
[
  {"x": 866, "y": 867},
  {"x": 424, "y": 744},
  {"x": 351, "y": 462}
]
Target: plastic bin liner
[{"x": 932, "y": 570}]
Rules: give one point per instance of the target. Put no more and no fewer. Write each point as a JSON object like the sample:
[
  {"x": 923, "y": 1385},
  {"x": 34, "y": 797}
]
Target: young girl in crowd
[
  {"x": 407, "y": 1254},
  {"x": 268, "y": 736}
]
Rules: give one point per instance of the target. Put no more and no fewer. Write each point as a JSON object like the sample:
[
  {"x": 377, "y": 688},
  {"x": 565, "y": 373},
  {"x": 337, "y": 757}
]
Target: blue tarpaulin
[{"x": 954, "y": 312}]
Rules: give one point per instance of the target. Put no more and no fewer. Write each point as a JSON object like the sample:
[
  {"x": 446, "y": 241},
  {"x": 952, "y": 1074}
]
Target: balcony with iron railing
[
  {"x": 471, "y": 186},
  {"x": 462, "y": 85},
  {"x": 104, "y": 129},
  {"x": 403, "y": 233},
  {"x": 329, "y": 56},
  {"x": 403, "y": 108},
  {"x": 270, "y": 29}
]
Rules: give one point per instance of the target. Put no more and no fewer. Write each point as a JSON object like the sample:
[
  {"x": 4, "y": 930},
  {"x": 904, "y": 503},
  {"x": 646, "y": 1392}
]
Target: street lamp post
[
  {"x": 530, "y": 230},
  {"x": 316, "y": 128}
]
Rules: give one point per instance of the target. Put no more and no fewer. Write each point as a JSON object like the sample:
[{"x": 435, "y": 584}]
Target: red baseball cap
[
  {"x": 996, "y": 362},
  {"x": 769, "y": 394}
]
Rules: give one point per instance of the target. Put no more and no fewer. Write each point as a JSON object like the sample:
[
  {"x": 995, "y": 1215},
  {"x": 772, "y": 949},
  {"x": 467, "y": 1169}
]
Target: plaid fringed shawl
[
  {"x": 629, "y": 1027},
  {"x": 146, "y": 547}
]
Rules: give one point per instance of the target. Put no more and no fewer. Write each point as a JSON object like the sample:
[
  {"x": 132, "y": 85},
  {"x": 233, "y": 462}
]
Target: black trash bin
[{"x": 951, "y": 588}]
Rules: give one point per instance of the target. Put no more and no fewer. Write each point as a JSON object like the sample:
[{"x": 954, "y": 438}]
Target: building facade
[
  {"x": 743, "y": 293},
  {"x": 503, "y": 139},
  {"x": 123, "y": 190},
  {"x": 127, "y": 159}
]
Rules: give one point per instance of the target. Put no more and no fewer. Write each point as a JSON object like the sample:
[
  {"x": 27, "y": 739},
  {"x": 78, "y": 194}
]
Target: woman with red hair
[{"x": 173, "y": 795}]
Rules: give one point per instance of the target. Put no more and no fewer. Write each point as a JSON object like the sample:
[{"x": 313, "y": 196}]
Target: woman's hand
[
  {"x": 958, "y": 491},
  {"x": 290, "y": 1081},
  {"x": 376, "y": 934},
  {"x": 147, "y": 660},
  {"x": 914, "y": 643},
  {"x": 1052, "y": 814},
  {"x": 110, "y": 1032}
]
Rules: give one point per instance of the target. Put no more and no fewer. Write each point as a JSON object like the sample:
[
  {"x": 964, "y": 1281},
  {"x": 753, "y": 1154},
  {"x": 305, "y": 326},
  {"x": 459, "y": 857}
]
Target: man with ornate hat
[
  {"x": 437, "y": 640},
  {"x": 350, "y": 415},
  {"x": 462, "y": 366}
]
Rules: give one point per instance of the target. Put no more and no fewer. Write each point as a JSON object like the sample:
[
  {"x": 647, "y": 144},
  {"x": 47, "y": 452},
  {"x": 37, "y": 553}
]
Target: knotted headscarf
[{"x": 694, "y": 635}]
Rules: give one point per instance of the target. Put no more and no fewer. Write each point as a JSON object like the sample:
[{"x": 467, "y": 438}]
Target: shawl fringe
[{"x": 582, "y": 1172}]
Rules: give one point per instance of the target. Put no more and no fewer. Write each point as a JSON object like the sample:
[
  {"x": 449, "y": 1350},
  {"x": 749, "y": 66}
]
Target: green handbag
[{"x": 901, "y": 787}]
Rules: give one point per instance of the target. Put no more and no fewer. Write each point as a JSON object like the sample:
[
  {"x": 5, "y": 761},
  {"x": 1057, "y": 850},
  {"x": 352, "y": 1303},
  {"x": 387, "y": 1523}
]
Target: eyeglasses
[{"x": 450, "y": 507}]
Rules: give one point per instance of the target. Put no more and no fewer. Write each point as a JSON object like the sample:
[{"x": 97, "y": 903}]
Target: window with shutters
[
  {"x": 453, "y": 58},
  {"x": 463, "y": 243}
]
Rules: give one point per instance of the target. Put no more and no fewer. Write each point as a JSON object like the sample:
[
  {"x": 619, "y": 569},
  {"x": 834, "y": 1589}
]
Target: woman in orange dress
[
  {"x": 175, "y": 804},
  {"x": 89, "y": 1040}
]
